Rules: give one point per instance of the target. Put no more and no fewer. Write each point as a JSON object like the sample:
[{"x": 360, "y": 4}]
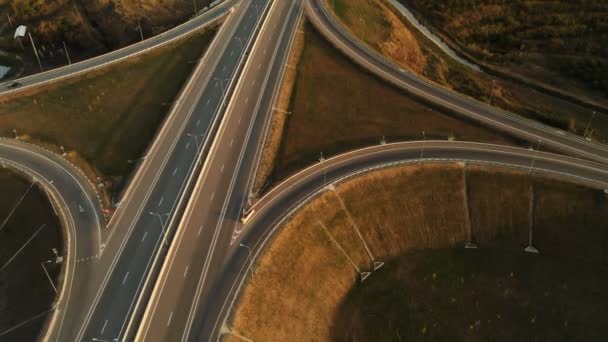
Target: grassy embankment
[
  {"x": 385, "y": 30},
  {"x": 336, "y": 106},
  {"x": 25, "y": 291},
  {"x": 108, "y": 117},
  {"x": 305, "y": 289}
]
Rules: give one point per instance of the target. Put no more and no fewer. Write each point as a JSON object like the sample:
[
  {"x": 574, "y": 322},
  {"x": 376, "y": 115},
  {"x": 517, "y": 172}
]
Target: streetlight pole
[
  {"x": 588, "y": 125},
  {"x": 422, "y": 149},
  {"x": 492, "y": 92},
  {"x": 67, "y": 54},
  {"x": 221, "y": 82},
  {"x": 195, "y": 137},
  {"x": 250, "y": 258},
  {"x": 162, "y": 226},
  {"x": 362, "y": 29},
  {"x": 241, "y": 42},
  {"x": 535, "y": 156},
  {"x": 35, "y": 51},
  {"x": 141, "y": 33}
]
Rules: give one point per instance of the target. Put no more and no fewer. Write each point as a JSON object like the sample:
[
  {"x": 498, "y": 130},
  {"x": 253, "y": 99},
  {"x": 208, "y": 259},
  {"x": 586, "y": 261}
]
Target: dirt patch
[
  {"x": 314, "y": 260},
  {"x": 25, "y": 291}
]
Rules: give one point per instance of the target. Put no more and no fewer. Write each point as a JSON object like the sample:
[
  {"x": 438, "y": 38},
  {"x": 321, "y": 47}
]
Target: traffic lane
[
  {"x": 516, "y": 125},
  {"x": 121, "y": 225},
  {"x": 206, "y": 312},
  {"x": 164, "y": 196},
  {"x": 190, "y": 26},
  {"x": 164, "y": 316},
  {"x": 224, "y": 71}
]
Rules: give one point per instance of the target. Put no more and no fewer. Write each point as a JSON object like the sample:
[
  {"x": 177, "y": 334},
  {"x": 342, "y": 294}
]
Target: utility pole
[
  {"x": 195, "y": 8},
  {"x": 588, "y": 125},
  {"x": 67, "y": 54},
  {"x": 10, "y": 22},
  {"x": 35, "y": 51}
]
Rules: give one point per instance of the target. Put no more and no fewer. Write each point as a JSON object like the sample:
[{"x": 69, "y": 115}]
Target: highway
[
  {"x": 155, "y": 196},
  {"x": 206, "y": 19},
  {"x": 205, "y": 265},
  {"x": 183, "y": 298},
  {"x": 511, "y": 123}
]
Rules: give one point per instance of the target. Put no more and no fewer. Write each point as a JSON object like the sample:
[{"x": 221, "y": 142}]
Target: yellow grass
[{"x": 303, "y": 276}]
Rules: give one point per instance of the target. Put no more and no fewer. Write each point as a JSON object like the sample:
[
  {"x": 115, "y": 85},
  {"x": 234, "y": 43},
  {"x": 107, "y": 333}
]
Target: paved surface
[
  {"x": 493, "y": 117},
  {"x": 74, "y": 200},
  {"x": 206, "y": 19},
  {"x": 102, "y": 308},
  {"x": 183, "y": 301}
]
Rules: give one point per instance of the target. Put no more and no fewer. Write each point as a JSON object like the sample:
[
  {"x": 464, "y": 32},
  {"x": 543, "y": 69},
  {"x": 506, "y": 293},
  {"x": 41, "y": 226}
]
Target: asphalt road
[
  {"x": 183, "y": 300},
  {"x": 205, "y": 19},
  {"x": 137, "y": 228},
  {"x": 73, "y": 198},
  {"x": 291, "y": 194},
  {"x": 511, "y": 123}
]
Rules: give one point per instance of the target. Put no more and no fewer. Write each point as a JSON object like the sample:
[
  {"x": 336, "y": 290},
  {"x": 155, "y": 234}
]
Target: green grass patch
[
  {"x": 109, "y": 116},
  {"x": 25, "y": 290}
]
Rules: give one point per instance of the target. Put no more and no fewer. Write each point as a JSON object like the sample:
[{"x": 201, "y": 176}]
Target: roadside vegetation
[
  {"x": 88, "y": 28},
  {"x": 26, "y": 293},
  {"x": 335, "y": 106},
  {"x": 555, "y": 42},
  {"x": 384, "y": 29},
  {"x": 414, "y": 219},
  {"x": 107, "y": 118}
]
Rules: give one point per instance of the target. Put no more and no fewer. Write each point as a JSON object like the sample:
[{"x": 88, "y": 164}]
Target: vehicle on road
[
  {"x": 14, "y": 85},
  {"x": 247, "y": 214}
]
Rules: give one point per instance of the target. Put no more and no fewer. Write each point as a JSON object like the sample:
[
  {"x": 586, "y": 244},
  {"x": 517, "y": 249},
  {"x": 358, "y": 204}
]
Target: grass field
[
  {"x": 303, "y": 279},
  {"x": 476, "y": 295},
  {"x": 552, "y": 41},
  {"x": 336, "y": 106},
  {"x": 25, "y": 291},
  {"x": 384, "y": 29},
  {"x": 110, "y": 116}
]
